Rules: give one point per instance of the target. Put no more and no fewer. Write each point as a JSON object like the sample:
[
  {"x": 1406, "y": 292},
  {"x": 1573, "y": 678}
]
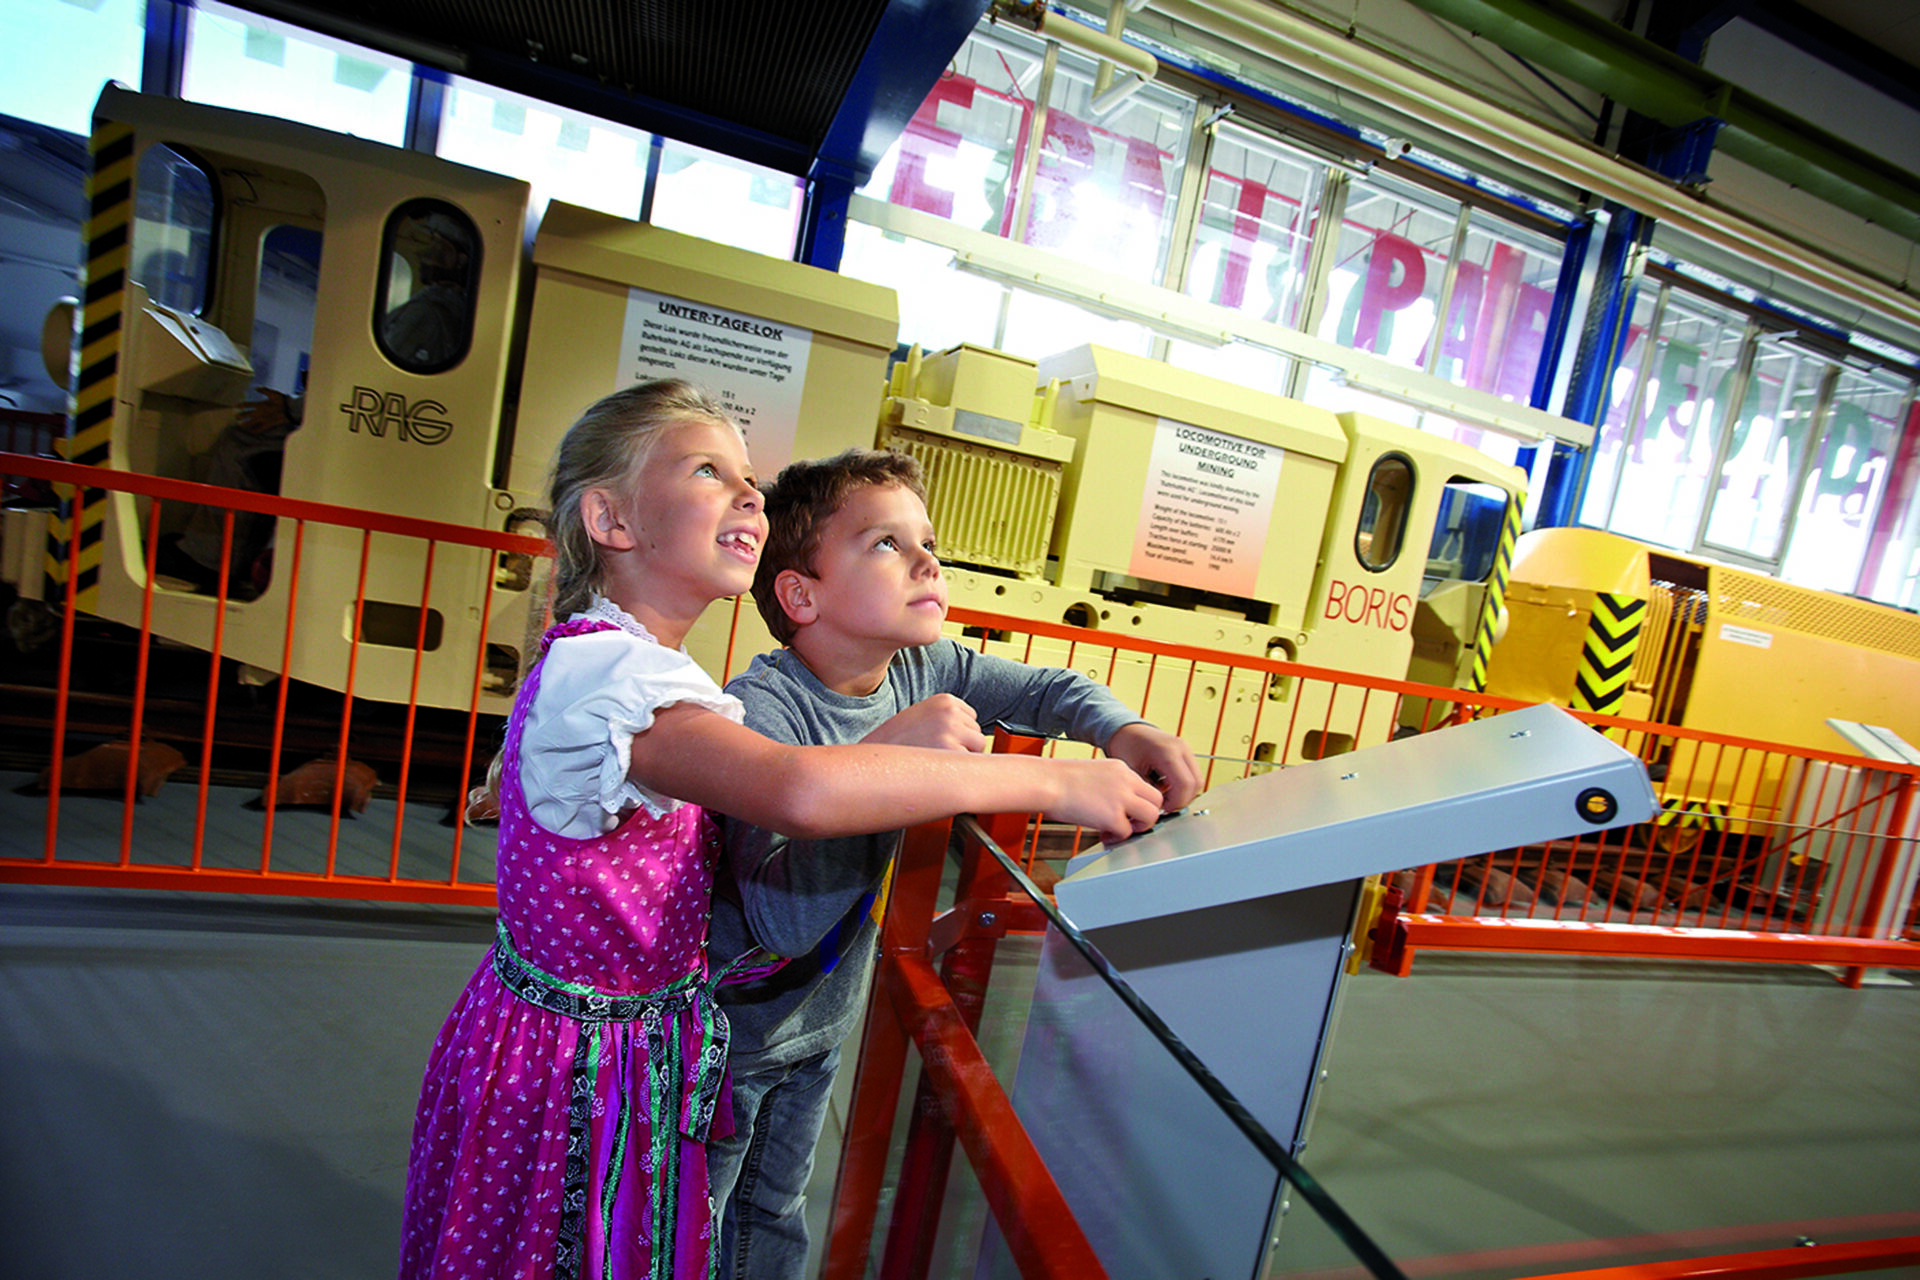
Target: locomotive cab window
[
  {"x": 1466, "y": 537},
  {"x": 173, "y": 229},
  {"x": 1383, "y": 514},
  {"x": 429, "y": 278}
]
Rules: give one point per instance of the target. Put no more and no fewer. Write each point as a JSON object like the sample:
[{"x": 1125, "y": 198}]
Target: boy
[{"x": 849, "y": 582}]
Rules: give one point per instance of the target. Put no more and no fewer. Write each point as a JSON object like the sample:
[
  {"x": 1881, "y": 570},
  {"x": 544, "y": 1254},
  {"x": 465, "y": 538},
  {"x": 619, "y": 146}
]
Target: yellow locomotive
[
  {"x": 434, "y": 352},
  {"x": 1603, "y": 623}
]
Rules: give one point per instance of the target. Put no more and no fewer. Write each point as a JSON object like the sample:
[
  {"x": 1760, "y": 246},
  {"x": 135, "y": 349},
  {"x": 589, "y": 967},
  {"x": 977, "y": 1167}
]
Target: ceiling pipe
[
  {"x": 1114, "y": 94},
  {"x": 1330, "y": 56},
  {"x": 1044, "y": 22},
  {"x": 1116, "y": 23},
  {"x": 1583, "y": 46}
]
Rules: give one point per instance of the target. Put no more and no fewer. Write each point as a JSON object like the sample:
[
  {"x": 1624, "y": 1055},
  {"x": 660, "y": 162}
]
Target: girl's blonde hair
[{"x": 604, "y": 449}]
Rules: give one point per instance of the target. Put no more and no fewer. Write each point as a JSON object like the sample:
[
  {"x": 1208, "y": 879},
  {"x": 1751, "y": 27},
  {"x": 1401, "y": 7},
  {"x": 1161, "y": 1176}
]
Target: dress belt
[{"x": 698, "y": 1085}]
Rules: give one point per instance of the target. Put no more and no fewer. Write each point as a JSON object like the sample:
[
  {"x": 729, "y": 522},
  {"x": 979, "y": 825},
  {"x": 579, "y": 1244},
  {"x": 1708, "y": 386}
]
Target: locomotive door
[{"x": 274, "y": 307}]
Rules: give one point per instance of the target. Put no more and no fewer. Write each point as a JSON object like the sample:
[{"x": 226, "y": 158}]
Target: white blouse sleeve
[{"x": 596, "y": 692}]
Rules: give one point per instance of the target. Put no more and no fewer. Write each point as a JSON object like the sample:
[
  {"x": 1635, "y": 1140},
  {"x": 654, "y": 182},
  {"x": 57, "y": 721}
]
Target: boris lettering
[
  {"x": 378, "y": 412},
  {"x": 1368, "y": 606}
]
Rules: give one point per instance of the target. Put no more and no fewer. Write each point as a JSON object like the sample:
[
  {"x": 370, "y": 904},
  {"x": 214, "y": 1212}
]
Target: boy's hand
[
  {"x": 1104, "y": 795},
  {"x": 1160, "y": 758},
  {"x": 942, "y": 722}
]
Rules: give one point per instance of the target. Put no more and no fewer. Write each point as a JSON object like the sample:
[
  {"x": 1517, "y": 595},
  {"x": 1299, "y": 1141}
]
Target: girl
[{"x": 567, "y": 1101}]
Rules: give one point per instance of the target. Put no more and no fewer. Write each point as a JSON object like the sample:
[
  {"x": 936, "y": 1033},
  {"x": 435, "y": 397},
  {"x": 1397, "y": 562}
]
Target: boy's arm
[
  {"x": 1060, "y": 702},
  {"x": 793, "y": 892}
]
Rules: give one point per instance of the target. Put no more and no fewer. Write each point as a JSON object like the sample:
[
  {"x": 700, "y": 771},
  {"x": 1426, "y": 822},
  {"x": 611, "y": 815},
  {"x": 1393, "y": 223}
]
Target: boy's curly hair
[{"x": 798, "y": 504}]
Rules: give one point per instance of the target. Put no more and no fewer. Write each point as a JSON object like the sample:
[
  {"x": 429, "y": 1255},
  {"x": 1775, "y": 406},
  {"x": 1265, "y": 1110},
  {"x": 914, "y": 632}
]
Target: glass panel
[
  {"x": 1256, "y": 224},
  {"x": 242, "y": 60},
  {"x": 1497, "y": 319},
  {"x": 429, "y": 276},
  {"x": 283, "y": 309},
  {"x": 1664, "y": 481},
  {"x": 940, "y": 306},
  {"x": 1466, "y": 536},
  {"x": 703, "y": 193},
  {"x": 1098, "y": 1080},
  {"x": 75, "y": 49},
  {"x": 1499, "y": 447},
  {"x": 1764, "y": 453},
  {"x": 1893, "y": 556},
  {"x": 1237, "y": 362},
  {"x": 1842, "y": 495},
  {"x": 1038, "y": 325},
  {"x": 1328, "y": 389},
  {"x": 562, "y": 154},
  {"x": 1383, "y": 513},
  {"x": 1384, "y": 289},
  {"x": 172, "y": 229},
  {"x": 1609, "y": 442},
  {"x": 1106, "y": 187},
  {"x": 960, "y": 156}
]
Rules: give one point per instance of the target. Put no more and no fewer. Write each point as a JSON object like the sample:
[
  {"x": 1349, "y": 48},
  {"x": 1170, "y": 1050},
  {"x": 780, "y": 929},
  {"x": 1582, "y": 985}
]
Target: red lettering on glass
[
  {"x": 1380, "y": 294},
  {"x": 925, "y": 137},
  {"x": 1146, "y": 180},
  {"x": 1246, "y": 233}
]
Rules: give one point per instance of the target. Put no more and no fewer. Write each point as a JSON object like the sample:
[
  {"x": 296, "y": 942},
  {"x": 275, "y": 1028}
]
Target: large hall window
[
  {"x": 252, "y": 63},
  {"x": 1679, "y": 392},
  {"x": 561, "y": 154},
  {"x": 1622, "y": 402},
  {"x": 1106, "y": 186},
  {"x": 1259, "y": 207},
  {"x": 1860, "y": 435},
  {"x": 962, "y": 156},
  {"x": 1502, "y": 296},
  {"x": 1389, "y": 269},
  {"x": 1892, "y": 569},
  {"x": 716, "y": 197},
  {"x": 940, "y": 306},
  {"x": 1766, "y": 452},
  {"x": 63, "y": 53}
]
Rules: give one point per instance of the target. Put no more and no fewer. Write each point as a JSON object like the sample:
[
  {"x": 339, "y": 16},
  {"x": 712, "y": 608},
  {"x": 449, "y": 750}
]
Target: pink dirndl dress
[{"x": 562, "y": 1124}]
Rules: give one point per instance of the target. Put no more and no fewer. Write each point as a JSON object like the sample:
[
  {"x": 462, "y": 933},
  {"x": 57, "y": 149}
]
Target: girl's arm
[{"x": 815, "y": 792}]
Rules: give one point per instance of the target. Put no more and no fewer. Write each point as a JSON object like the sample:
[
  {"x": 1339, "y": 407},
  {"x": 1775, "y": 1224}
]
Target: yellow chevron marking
[
  {"x": 1607, "y": 652},
  {"x": 94, "y": 437},
  {"x": 107, "y": 237},
  {"x": 1496, "y": 592}
]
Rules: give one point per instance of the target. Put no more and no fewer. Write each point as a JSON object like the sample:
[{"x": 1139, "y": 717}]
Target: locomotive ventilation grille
[
  {"x": 1747, "y": 597},
  {"x": 991, "y": 507}
]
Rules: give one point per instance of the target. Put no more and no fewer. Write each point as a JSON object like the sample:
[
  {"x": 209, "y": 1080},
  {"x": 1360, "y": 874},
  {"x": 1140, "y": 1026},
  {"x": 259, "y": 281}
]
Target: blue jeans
[{"x": 760, "y": 1173}]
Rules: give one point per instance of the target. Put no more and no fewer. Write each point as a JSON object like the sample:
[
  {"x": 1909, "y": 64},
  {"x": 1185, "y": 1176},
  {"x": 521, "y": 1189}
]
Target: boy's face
[{"x": 877, "y": 583}]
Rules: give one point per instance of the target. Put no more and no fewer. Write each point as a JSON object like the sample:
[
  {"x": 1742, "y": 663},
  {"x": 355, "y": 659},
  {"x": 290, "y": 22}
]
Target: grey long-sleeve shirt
[{"x": 813, "y": 900}]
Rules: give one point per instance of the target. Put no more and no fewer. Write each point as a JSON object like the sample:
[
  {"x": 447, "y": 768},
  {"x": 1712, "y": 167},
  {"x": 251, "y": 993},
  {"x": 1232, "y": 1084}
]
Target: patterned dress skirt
[{"x": 563, "y": 1120}]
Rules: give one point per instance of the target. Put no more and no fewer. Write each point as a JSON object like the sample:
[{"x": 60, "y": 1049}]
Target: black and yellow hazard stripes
[
  {"x": 109, "y": 233},
  {"x": 1606, "y": 655},
  {"x": 1496, "y": 592},
  {"x": 1707, "y": 814}
]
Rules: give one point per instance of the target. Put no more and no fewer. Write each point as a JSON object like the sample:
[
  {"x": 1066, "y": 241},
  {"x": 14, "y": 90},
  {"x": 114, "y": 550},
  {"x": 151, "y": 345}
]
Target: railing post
[
  {"x": 883, "y": 1056},
  {"x": 965, "y": 971},
  {"x": 1891, "y": 848}
]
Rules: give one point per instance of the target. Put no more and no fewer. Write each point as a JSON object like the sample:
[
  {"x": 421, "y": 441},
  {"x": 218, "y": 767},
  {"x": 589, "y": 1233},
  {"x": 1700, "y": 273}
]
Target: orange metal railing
[
  {"x": 1806, "y": 859},
  {"x": 72, "y": 710},
  {"x": 1764, "y": 853},
  {"x": 1769, "y": 1264}
]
